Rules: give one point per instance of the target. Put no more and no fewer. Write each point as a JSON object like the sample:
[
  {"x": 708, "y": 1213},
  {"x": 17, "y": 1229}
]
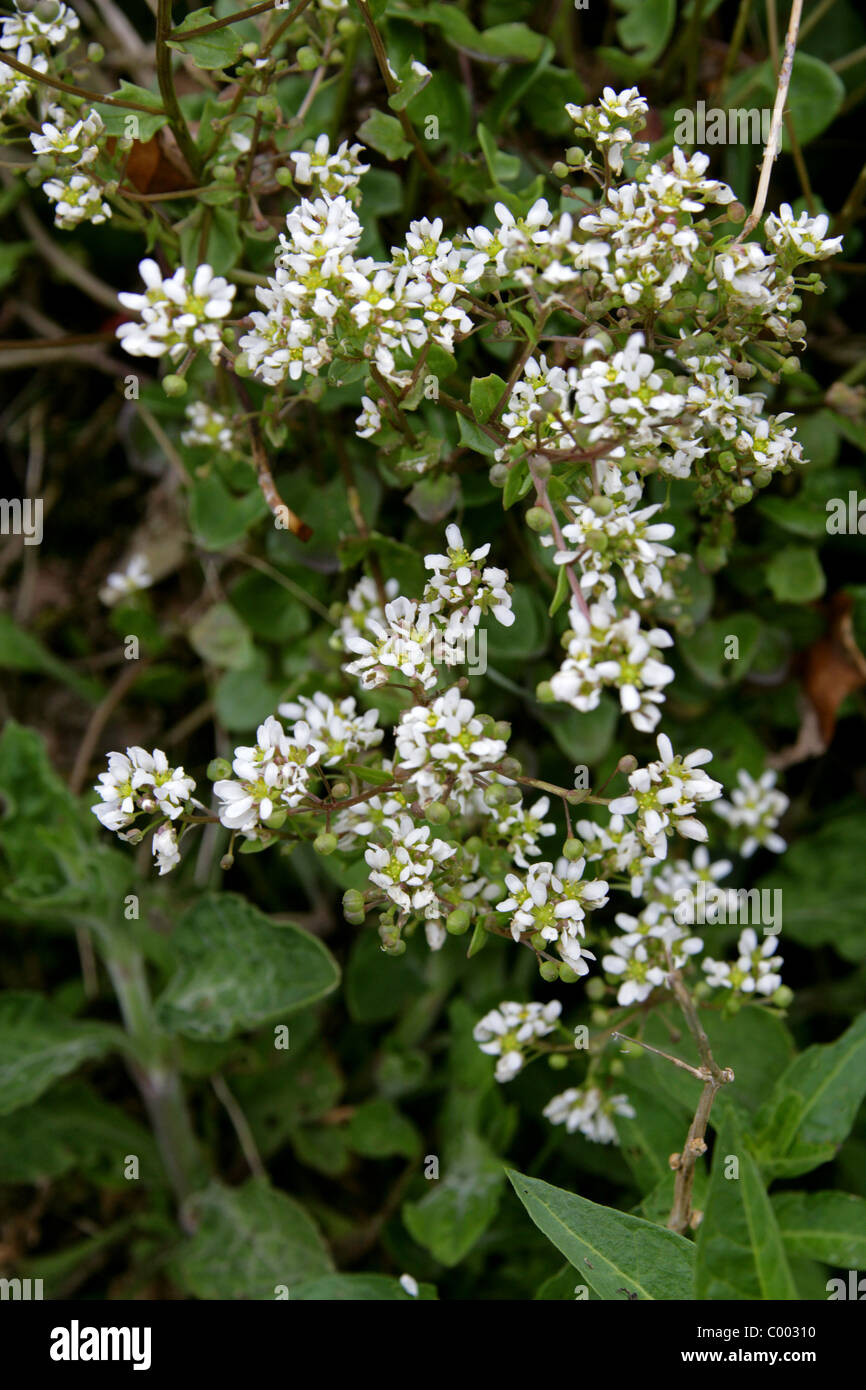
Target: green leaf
[
  {"x": 221, "y": 639},
  {"x": 462, "y": 1202},
  {"x": 814, "y": 96},
  {"x": 583, "y": 738},
  {"x": 38, "y": 1044},
  {"x": 528, "y": 635},
  {"x": 139, "y": 124},
  {"x": 411, "y": 84},
  {"x": 377, "y": 988},
  {"x": 517, "y": 484},
  {"x": 238, "y": 969},
  {"x": 268, "y": 609},
  {"x": 249, "y": 1241},
  {"x": 484, "y": 395},
  {"x": 73, "y": 1128},
  {"x": 503, "y": 168},
  {"x": 378, "y": 1130},
  {"x": 474, "y": 438},
  {"x": 828, "y": 1226},
  {"x": 831, "y": 854},
  {"x": 646, "y": 28},
  {"x": 739, "y": 1248},
  {"x": 615, "y": 1254},
  {"x": 813, "y": 1105},
  {"x": 357, "y": 1288},
  {"x": 385, "y": 134},
  {"x": 218, "y": 518},
  {"x": 20, "y": 651},
  {"x": 795, "y": 575},
  {"x": 218, "y": 49}
]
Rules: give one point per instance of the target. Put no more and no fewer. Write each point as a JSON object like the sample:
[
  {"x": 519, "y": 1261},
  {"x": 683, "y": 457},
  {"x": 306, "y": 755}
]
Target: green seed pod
[
  {"x": 339, "y": 790},
  {"x": 538, "y": 520},
  {"x": 307, "y": 58},
  {"x": 544, "y": 693},
  {"x": 601, "y": 505},
  {"x": 560, "y": 170},
  {"x": 557, "y": 1061},
  {"x": 567, "y": 975},
  {"x": 325, "y": 842},
  {"x": 572, "y": 849},
  {"x": 283, "y": 177},
  {"x": 549, "y": 970},
  {"x": 218, "y": 769},
  {"x": 458, "y": 921},
  {"x": 353, "y": 901},
  {"x": 437, "y": 813},
  {"x": 498, "y": 475},
  {"x": 174, "y": 385}
]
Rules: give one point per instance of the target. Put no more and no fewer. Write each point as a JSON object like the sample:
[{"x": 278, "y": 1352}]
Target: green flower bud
[
  {"x": 502, "y": 729},
  {"x": 540, "y": 466},
  {"x": 283, "y": 177},
  {"x": 557, "y": 1061},
  {"x": 218, "y": 769},
  {"x": 227, "y": 861},
  {"x": 339, "y": 790},
  {"x": 498, "y": 475},
  {"x": 353, "y": 901},
  {"x": 458, "y": 921},
  {"x": 95, "y": 53},
  {"x": 174, "y": 385},
  {"x": 268, "y": 107},
  {"x": 307, "y": 58},
  {"x": 241, "y": 365},
  {"x": 537, "y": 519},
  {"x": 544, "y": 693},
  {"x": 601, "y": 505},
  {"x": 783, "y": 997}
]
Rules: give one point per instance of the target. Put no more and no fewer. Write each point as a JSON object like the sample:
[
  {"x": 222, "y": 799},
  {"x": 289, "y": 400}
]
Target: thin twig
[{"x": 774, "y": 141}]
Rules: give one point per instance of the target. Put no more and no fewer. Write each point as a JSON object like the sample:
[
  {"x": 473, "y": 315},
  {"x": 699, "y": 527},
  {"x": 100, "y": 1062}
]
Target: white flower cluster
[
  {"x": 550, "y": 902},
  {"x": 508, "y": 1033},
  {"x": 754, "y": 811},
  {"x": 332, "y": 174},
  {"x": 338, "y": 730},
  {"x": 206, "y": 425},
  {"x": 664, "y": 796},
  {"x": 414, "y": 639},
  {"x": 606, "y": 650},
  {"x": 444, "y": 746},
  {"x": 798, "y": 239},
  {"x": 756, "y": 970},
  {"x": 462, "y": 590},
  {"x": 178, "y": 316},
  {"x": 67, "y": 148},
  {"x": 611, "y": 125},
  {"x": 140, "y": 782},
  {"x": 589, "y": 1111},
  {"x": 404, "y": 868},
  {"x": 618, "y": 536}
]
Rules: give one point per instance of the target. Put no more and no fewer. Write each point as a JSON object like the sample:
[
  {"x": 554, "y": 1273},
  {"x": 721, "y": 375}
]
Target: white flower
[
  {"x": 464, "y": 588},
  {"x": 444, "y": 745},
  {"x": 140, "y": 781},
  {"x": 553, "y": 901},
  {"x": 207, "y": 426},
  {"x": 329, "y": 173},
  {"x": 407, "y": 641},
  {"x": 165, "y": 850},
  {"x": 131, "y": 580},
  {"x": 800, "y": 239},
  {"x": 176, "y": 316},
  {"x": 272, "y": 775},
  {"x": 404, "y": 869},
  {"x": 29, "y": 29},
  {"x": 337, "y": 730},
  {"x": 78, "y": 199},
  {"x": 522, "y": 827},
  {"x": 664, "y": 796},
  {"x": 509, "y": 1032},
  {"x": 630, "y": 962},
  {"x": 409, "y": 1285},
  {"x": 753, "y": 972},
  {"x": 586, "y": 1109},
  {"x": 756, "y": 807}
]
